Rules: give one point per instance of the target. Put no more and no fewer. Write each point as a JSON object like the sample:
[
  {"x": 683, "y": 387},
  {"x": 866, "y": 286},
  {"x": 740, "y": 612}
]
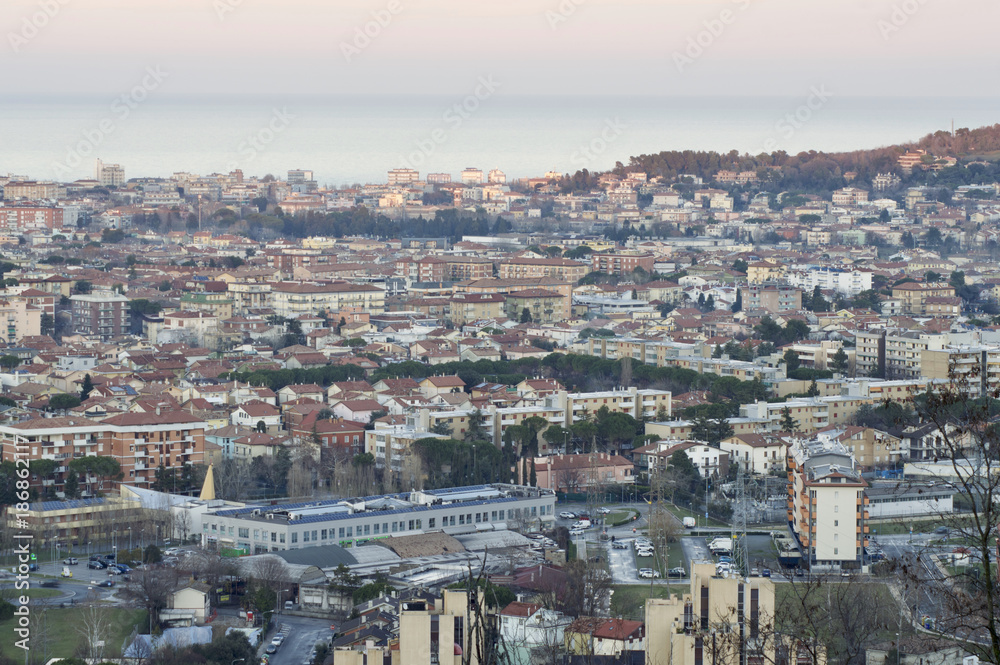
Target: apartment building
[
  {"x": 437, "y": 635},
  {"x": 756, "y": 453},
  {"x": 827, "y": 507},
  {"x": 109, "y": 175},
  {"x": 293, "y": 299},
  {"x": 716, "y": 622},
  {"x": 622, "y": 261},
  {"x": 219, "y": 305},
  {"x": 850, "y": 196},
  {"x": 19, "y": 319},
  {"x": 472, "y": 176},
  {"x": 523, "y": 267},
  {"x": 773, "y": 298},
  {"x": 30, "y": 189},
  {"x": 101, "y": 315},
  {"x": 847, "y": 282},
  {"x": 914, "y": 295},
  {"x": 403, "y": 176},
  {"x": 470, "y": 307},
  {"x": 971, "y": 369},
  {"x": 765, "y": 271},
  {"x": 871, "y": 448},
  {"x": 543, "y": 306},
  {"x": 23, "y": 218},
  {"x": 139, "y": 442},
  {"x": 896, "y": 354}
]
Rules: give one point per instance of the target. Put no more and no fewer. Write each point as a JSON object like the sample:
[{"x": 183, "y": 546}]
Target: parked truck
[
  {"x": 721, "y": 546},
  {"x": 689, "y": 522}
]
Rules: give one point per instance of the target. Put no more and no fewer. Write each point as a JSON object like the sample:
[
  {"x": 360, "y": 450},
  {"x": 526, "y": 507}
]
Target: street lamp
[{"x": 130, "y": 539}]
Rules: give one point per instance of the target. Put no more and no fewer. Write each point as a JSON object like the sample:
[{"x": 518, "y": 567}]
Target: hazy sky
[{"x": 606, "y": 47}]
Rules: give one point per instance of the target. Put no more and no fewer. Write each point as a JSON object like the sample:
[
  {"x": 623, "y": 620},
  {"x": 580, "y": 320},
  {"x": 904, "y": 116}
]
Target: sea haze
[{"x": 347, "y": 139}]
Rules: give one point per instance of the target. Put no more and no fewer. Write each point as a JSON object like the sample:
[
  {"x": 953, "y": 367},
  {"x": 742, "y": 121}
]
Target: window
[
  {"x": 340, "y": 533},
  {"x": 366, "y": 529},
  {"x": 350, "y": 532},
  {"x": 376, "y": 528},
  {"x": 295, "y": 537},
  {"x": 305, "y": 537},
  {"x": 461, "y": 519},
  {"x": 274, "y": 536},
  {"x": 323, "y": 532},
  {"x": 281, "y": 537},
  {"x": 430, "y": 523},
  {"x": 244, "y": 533}
]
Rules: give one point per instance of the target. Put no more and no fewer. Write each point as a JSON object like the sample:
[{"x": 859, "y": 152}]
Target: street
[{"x": 301, "y": 635}]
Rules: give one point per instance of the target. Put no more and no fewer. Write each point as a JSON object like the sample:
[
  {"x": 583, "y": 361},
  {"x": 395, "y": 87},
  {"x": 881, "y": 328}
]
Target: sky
[{"x": 899, "y": 48}]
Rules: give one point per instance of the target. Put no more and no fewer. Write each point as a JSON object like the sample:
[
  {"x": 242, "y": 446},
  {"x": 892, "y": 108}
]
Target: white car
[
  {"x": 567, "y": 516},
  {"x": 645, "y": 553},
  {"x": 577, "y": 532},
  {"x": 648, "y": 573},
  {"x": 604, "y": 511}
]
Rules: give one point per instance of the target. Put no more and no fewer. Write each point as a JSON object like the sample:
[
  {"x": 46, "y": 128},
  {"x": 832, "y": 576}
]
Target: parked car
[
  {"x": 676, "y": 572},
  {"x": 619, "y": 545},
  {"x": 96, "y": 557},
  {"x": 271, "y": 648},
  {"x": 577, "y": 532},
  {"x": 648, "y": 573},
  {"x": 766, "y": 572},
  {"x": 96, "y": 565},
  {"x": 799, "y": 572},
  {"x": 566, "y": 515},
  {"x": 71, "y": 561}
]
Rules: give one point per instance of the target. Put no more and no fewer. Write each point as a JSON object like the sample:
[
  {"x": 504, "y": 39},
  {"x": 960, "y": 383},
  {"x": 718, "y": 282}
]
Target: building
[
  {"x": 970, "y": 369},
  {"x": 472, "y": 176},
  {"x": 850, "y": 196},
  {"x": 22, "y": 318},
  {"x": 31, "y": 190},
  {"x": 293, "y": 299},
  {"x": 827, "y": 508},
  {"x": 80, "y": 522},
  {"x": 765, "y": 271},
  {"x": 871, "y": 448},
  {"x": 403, "y": 176},
  {"x": 109, "y": 175},
  {"x": 887, "y": 500},
  {"x": 101, "y": 315},
  {"x": 351, "y": 522},
  {"x": 713, "y": 623},
  {"x": 847, "y": 282},
  {"x": 139, "y": 442},
  {"x": 756, "y": 453},
  {"x": 24, "y": 218},
  {"x": 914, "y": 295},
  {"x": 497, "y": 177},
  {"x": 439, "y": 178},
  {"x": 575, "y": 473},
  {"x": 773, "y": 298},
  {"x": 896, "y": 354},
  {"x": 471, "y": 307},
  {"x": 542, "y": 305},
  {"x": 524, "y": 267},
  {"x": 622, "y": 262},
  {"x": 437, "y": 635}
]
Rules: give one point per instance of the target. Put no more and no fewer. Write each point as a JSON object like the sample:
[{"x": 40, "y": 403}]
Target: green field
[
  {"x": 62, "y": 637},
  {"x": 663, "y": 561},
  {"x": 629, "y": 601},
  {"x": 619, "y": 517},
  {"x": 33, "y": 592}
]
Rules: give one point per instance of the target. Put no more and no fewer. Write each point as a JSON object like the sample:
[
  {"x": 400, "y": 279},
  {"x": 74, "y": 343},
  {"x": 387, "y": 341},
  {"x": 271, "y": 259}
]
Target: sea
[{"x": 347, "y": 140}]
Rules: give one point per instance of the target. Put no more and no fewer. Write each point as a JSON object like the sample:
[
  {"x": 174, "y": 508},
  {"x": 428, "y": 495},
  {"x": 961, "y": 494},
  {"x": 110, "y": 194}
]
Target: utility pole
[{"x": 739, "y": 527}]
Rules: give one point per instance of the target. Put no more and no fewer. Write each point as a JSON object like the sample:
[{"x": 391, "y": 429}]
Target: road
[{"x": 301, "y": 635}]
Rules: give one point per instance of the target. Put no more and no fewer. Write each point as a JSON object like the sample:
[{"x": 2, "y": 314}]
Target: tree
[
  {"x": 63, "y": 401},
  {"x": 476, "y": 432},
  {"x": 787, "y": 423},
  {"x": 791, "y": 360},
  {"x": 557, "y": 437},
  {"x": 839, "y": 362},
  {"x": 9, "y": 362},
  {"x": 150, "y": 588},
  {"x": 47, "y": 324},
  {"x": 441, "y": 428},
  {"x": 71, "y": 486},
  {"x": 87, "y": 388},
  {"x": 83, "y": 286},
  {"x": 526, "y": 315},
  {"x": 738, "y": 305}
]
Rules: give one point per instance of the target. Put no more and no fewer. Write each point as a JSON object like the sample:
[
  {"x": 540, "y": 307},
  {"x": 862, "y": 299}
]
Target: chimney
[{"x": 157, "y": 409}]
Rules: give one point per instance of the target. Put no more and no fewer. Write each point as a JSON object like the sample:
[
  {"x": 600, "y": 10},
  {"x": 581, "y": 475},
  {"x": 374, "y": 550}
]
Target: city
[{"x": 543, "y": 332}]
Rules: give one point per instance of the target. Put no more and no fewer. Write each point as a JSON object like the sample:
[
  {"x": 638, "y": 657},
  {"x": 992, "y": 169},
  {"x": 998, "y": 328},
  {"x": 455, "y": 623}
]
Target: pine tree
[
  {"x": 72, "y": 485},
  {"x": 88, "y": 386}
]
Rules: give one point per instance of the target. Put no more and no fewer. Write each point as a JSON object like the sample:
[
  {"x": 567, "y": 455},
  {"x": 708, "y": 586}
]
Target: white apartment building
[
  {"x": 292, "y": 299},
  {"x": 827, "y": 512},
  {"x": 847, "y": 282},
  {"x": 403, "y": 176},
  {"x": 472, "y": 176}
]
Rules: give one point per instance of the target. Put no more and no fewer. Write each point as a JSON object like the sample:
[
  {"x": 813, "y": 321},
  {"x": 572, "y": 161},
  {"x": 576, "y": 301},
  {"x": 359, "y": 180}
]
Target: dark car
[
  {"x": 676, "y": 572},
  {"x": 110, "y": 557},
  {"x": 95, "y": 557},
  {"x": 799, "y": 572},
  {"x": 271, "y": 649},
  {"x": 106, "y": 583},
  {"x": 96, "y": 565},
  {"x": 32, "y": 567}
]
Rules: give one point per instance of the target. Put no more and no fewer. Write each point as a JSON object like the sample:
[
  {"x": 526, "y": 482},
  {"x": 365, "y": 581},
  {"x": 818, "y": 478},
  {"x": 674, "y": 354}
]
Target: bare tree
[
  {"x": 93, "y": 624},
  {"x": 233, "y": 478},
  {"x": 269, "y": 570},
  {"x": 967, "y": 439},
  {"x": 150, "y": 588},
  {"x": 588, "y": 589},
  {"x": 571, "y": 480}
]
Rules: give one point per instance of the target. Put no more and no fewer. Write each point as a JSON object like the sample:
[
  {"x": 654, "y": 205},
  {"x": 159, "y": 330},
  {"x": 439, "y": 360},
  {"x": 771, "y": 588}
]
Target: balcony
[{"x": 188, "y": 451}]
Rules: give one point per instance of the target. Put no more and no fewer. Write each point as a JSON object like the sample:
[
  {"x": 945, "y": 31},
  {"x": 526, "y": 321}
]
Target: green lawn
[
  {"x": 629, "y": 601},
  {"x": 33, "y": 592},
  {"x": 903, "y": 526},
  {"x": 62, "y": 636},
  {"x": 619, "y": 517}
]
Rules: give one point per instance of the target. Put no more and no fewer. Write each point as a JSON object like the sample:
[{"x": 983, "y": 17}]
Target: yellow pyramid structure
[{"x": 208, "y": 489}]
